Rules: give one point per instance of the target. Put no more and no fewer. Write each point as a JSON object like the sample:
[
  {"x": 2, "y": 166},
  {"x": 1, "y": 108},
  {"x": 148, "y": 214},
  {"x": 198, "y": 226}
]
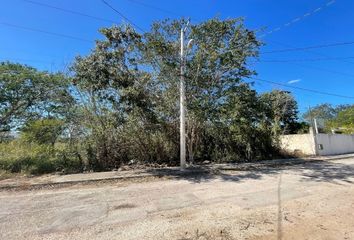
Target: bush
[{"x": 17, "y": 156}]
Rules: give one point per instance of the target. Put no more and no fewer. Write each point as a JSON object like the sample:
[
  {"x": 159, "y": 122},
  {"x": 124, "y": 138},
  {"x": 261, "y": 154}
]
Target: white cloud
[{"x": 294, "y": 81}]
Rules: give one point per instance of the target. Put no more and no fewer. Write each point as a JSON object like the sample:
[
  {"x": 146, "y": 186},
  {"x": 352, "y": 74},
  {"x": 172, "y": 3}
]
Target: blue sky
[{"x": 329, "y": 22}]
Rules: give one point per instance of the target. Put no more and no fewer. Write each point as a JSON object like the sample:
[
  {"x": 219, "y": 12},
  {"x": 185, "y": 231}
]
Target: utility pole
[
  {"x": 182, "y": 104},
  {"x": 315, "y": 125},
  {"x": 314, "y": 131}
]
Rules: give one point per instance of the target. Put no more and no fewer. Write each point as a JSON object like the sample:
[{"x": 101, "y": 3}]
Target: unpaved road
[{"x": 310, "y": 201}]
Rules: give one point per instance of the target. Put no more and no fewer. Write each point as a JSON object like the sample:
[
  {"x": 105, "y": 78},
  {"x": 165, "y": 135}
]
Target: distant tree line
[{"x": 333, "y": 119}]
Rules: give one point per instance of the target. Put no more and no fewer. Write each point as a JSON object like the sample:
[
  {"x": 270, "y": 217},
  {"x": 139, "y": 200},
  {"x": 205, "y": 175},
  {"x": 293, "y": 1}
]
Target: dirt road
[{"x": 310, "y": 201}]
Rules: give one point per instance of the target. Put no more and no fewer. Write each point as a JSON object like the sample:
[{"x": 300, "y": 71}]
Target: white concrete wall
[
  {"x": 305, "y": 143},
  {"x": 295, "y": 143},
  {"x": 335, "y": 144}
]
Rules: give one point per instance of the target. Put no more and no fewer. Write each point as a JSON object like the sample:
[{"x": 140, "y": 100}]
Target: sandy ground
[{"x": 310, "y": 201}]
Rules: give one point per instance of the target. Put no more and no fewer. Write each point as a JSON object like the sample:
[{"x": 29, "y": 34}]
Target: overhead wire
[
  {"x": 45, "y": 32},
  {"x": 301, "y": 88},
  {"x": 154, "y": 7},
  {"x": 310, "y": 47},
  {"x": 298, "y": 19},
  {"x": 122, "y": 15},
  {"x": 329, "y": 3},
  {"x": 69, "y": 11},
  {"x": 141, "y": 29},
  {"x": 272, "y": 82},
  {"x": 314, "y": 68},
  {"x": 305, "y": 59}
]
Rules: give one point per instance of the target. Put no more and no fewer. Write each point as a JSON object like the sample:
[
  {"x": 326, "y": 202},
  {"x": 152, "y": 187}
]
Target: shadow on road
[
  {"x": 198, "y": 175},
  {"x": 327, "y": 172},
  {"x": 321, "y": 171}
]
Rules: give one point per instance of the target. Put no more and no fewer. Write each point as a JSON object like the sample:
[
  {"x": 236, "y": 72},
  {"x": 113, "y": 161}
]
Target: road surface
[{"x": 309, "y": 201}]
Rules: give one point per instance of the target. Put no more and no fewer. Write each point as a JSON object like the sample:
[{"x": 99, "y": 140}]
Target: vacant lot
[{"x": 310, "y": 201}]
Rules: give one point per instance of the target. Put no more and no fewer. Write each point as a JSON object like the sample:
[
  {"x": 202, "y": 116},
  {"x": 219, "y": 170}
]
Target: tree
[
  {"x": 43, "y": 131},
  {"x": 28, "y": 94},
  {"x": 281, "y": 111},
  {"x": 215, "y": 68},
  {"x": 344, "y": 121},
  {"x": 325, "y": 113},
  {"x": 130, "y": 83},
  {"x": 114, "y": 91}
]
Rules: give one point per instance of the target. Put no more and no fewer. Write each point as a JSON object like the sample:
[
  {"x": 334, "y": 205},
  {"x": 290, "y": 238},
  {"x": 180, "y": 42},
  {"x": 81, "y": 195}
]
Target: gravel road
[{"x": 310, "y": 201}]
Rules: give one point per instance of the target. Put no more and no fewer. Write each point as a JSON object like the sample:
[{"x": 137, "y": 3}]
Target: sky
[{"x": 279, "y": 24}]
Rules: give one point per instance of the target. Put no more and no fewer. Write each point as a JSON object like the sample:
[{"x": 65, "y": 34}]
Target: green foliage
[
  {"x": 128, "y": 87},
  {"x": 26, "y": 93},
  {"x": 323, "y": 111},
  {"x": 43, "y": 131},
  {"x": 281, "y": 110},
  {"x": 300, "y": 128},
  {"x": 122, "y": 105},
  {"x": 344, "y": 121},
  {"x": 329, "y": 115},
  {"x": 18, "y": 156}
]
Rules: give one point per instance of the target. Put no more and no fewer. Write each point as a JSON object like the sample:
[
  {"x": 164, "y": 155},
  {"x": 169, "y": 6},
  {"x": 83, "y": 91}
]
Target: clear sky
[{"x": 296, "y": 23}]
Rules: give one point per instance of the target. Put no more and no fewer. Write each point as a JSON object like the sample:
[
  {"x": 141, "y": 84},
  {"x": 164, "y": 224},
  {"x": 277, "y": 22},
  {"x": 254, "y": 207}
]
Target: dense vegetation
[{"x": 119, "y": 104}]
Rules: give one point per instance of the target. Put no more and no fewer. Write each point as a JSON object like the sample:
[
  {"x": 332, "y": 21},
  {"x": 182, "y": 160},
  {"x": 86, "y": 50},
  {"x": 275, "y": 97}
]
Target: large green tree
[
  {"x": 131, "y": 82},
  {"x": 215, "y": 67},
  {"x": 26, "y": 93}
]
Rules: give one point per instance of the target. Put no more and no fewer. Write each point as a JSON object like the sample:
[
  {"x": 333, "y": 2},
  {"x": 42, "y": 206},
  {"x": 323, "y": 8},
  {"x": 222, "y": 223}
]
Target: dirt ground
[{"x": 309, "y": 201}]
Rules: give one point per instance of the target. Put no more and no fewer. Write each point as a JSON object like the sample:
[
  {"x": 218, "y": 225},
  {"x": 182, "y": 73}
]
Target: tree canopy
[
  {"x": 344, "y": 121},
  {"x": 331, "y": 116},
  {"x": 26, "y": 93}
]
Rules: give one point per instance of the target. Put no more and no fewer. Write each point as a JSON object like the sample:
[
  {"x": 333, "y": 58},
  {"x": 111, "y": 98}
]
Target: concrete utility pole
[
  {"x": 314, "y": 131},
  {"x": 182, "y": 100},
  {"x": 315, "y": 125}
]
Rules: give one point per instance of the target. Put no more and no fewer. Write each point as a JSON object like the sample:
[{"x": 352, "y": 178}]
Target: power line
[
  {"x": 329, "y": 3},
  {"x": 143, "y": 4},
  {"x": 154, "y": 7},
  {"x": 319, "y": 69},
  {"x": 68, "y": 11},
  {"x": 319, "y": 54},
  {"x": 45, "y": 32},
  {"x": 305, "y": 59},
  {"x": 310, "y": 51},
  {"x": 302, "y": 89},
  {"x": 301, "y": 65},
  {"x": 297, "y": 19},
  {"x": 310, "y": 47},
  {"x": 123, "y": 16}
]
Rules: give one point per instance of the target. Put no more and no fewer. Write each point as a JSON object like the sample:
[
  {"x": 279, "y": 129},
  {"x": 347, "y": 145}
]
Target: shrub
[{"x": 18, "y": 156}]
